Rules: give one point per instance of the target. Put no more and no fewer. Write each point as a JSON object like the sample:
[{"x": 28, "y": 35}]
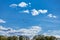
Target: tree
[
  {"x": 9, "y": 38},
  {"x": 47, "y": 37},
  {"x": 39, "y": 37},
  {"x": 3, "y": 38},
  {"x": 23, "y": 38},
  {"x": 14, "y": 38},
  {"x": 52, "y": 38}
]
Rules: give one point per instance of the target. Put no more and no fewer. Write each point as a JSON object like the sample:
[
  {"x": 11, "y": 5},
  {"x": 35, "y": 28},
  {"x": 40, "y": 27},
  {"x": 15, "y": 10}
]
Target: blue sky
[{"x": 43, "y": 14}]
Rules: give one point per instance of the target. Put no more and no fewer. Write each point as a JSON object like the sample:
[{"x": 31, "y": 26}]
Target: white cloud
[
  {"x": 5, "y": 29},
  {"x": 32, "y": 31},
  {"x": 13, "y": 5},
  {"x": 2, "y": 21},
  {"x": 28, "y": 32},
  {"x": 42, "y": 11},
  {"x": 34, "y": 12},
  {"x": 1, "y": 27},
  {"x": 55, "y": 33},
  {"x": 22, "y": 4},
  {"x": 54, "y": 16},
  {"x": 51, "y": 16},
  {"x": 26, "y": 11}
]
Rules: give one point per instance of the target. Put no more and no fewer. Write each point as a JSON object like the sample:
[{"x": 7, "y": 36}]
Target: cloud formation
[
  {"x": 13, "y": 5},
  {"x": 55, "y": 33},
  {"x": 35, "y": 12},
  {"x": 43, "y": 11},
  {"x": 21, "y": 4},
  {"x": 28, "y": 32},
  {"x": 34, "y": 30},
  {"x": 4, "y": 29},
  {"x": 2, "y": 21},
  {"x": 26, "y": 11},
  {"x": 51, "y": 16}
]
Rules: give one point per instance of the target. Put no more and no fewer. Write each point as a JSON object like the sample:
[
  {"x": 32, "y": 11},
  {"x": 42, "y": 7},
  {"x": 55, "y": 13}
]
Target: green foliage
[
  {"x": 39, "y": 37},
  {"x": 42, "y": 37},
  {"x": 3, "y": 38},
  {"x": 36, "y": 37},
  {"x": 9, "y": 38},
  {"x": 23, "y": 38},
  {"x": 14, "y": 38}
]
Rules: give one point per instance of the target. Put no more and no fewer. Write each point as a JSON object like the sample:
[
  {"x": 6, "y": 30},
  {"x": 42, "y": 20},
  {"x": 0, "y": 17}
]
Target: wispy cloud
[
  {"x": 2, "y": 21},
  {"x": 28, "y": 32},
  {"x": 51, "y": 16},
  {"x": 13, "y": 5},
  {"x": 32, "y": 31},
  {"x": 55, "y": 33},
  {"x": 5, "y": 29},
  {"x": 26, "y": 11}
]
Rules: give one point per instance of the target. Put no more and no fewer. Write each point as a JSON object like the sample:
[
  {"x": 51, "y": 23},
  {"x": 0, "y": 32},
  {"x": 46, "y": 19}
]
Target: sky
[{"x": 30, "y": 17}]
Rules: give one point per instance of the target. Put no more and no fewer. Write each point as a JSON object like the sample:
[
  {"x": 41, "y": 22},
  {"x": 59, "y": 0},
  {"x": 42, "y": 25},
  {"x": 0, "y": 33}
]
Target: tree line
[{"x": 36, "y": 37}]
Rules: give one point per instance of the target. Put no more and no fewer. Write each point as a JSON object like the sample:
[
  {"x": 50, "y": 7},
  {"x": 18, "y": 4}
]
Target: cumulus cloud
[
  {"x": 42, "y": 11},
  {"x": 51, "y": 16},
  {"x": 55, "y": 33},
  {"x": 22, "y": 4},
  {"x": 34, "y": 30},
  {"x": 35, "y": 12},
  {"x": 2, "y": 21}
]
